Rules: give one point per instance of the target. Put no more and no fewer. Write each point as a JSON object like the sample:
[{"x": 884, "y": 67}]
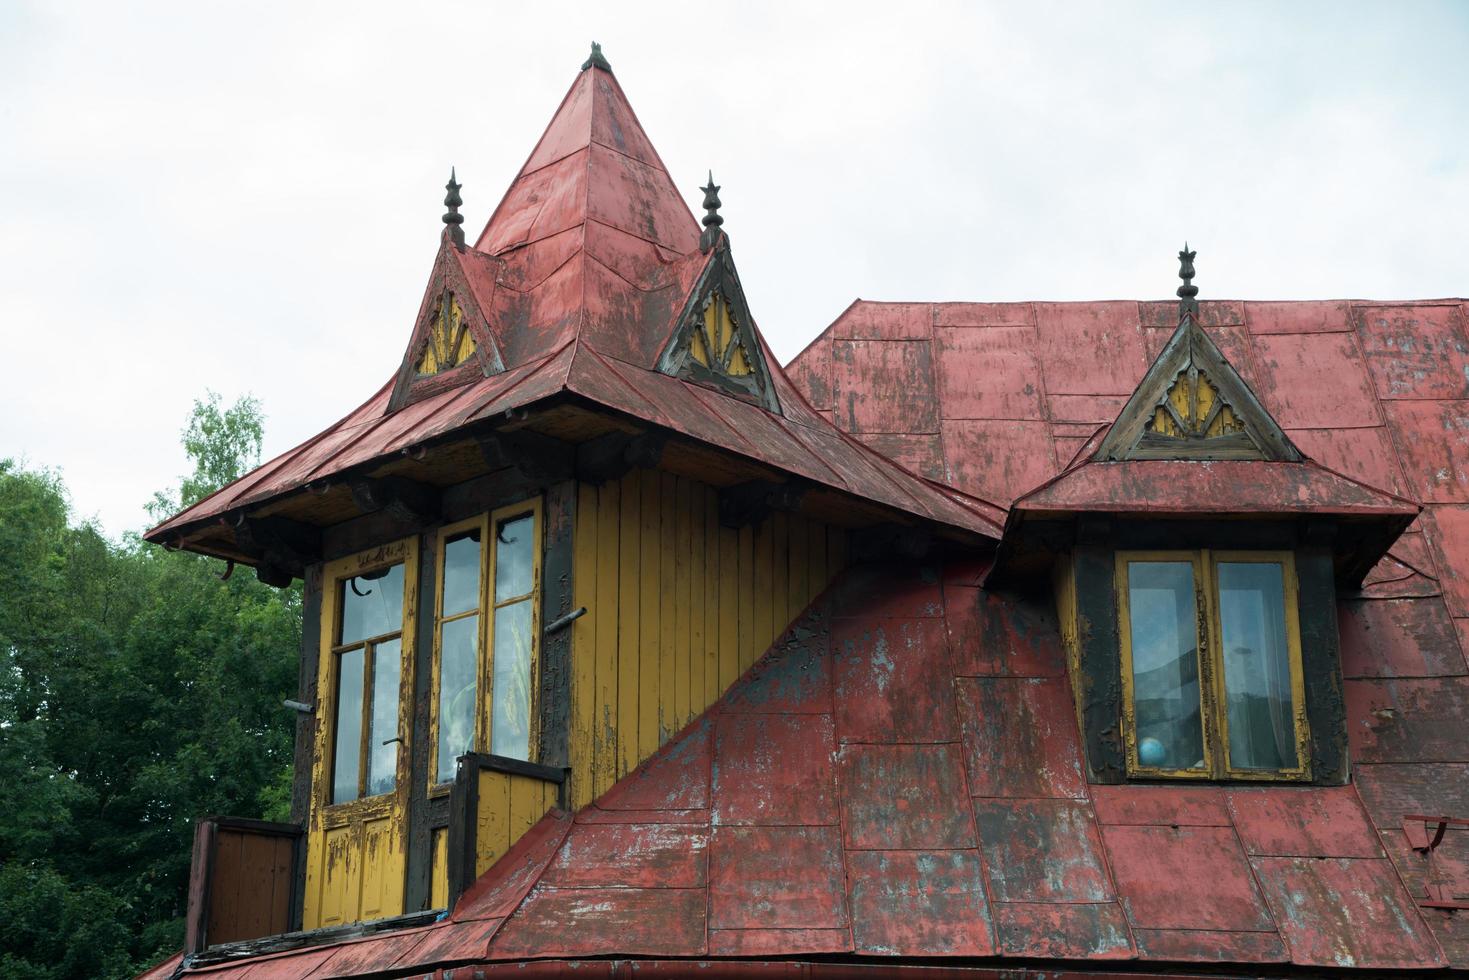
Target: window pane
[
  {"x": 382, "y": 772},
  {"x": 461, "y": 574},
  {"x": 347, "y": 742},
  {"x": 1165, "y": 664},
  {"x": 1257, "y": 684},
  {"x": 511, "y": 718},
  {"x": 457, "y": 669},
  {"x": 372, "y": 606},
  {"x": 514, "y": 552}
]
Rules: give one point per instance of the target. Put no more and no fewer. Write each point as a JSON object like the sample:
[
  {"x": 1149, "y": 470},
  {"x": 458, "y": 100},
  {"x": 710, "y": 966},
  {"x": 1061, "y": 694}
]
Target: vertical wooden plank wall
[
  {"x": 678, "y": 607},
  {"x": 509, "y": 805}
]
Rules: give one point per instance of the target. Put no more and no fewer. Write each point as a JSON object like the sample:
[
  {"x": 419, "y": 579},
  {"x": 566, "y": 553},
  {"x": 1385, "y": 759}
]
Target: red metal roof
[
  {"x": 901, "y": 777},
  {"x": 582, "y": 272}
]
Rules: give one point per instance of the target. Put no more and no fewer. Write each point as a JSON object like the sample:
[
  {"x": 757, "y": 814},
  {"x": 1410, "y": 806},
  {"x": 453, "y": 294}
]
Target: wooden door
[{"x": 358, "y": 833}]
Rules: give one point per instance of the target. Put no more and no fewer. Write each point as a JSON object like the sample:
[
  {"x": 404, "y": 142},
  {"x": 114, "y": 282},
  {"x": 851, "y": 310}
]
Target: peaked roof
[{"x": 582, "y": 275}]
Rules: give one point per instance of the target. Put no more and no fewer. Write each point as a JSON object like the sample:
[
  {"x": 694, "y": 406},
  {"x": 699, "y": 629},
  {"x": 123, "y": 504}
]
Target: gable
[
  {"x": 1193, "y": 405},
  {"x": 714, "y": 341}
]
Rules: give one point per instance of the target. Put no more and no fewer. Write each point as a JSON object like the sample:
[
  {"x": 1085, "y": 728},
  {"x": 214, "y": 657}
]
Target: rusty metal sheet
[
  {"x": 884, "y": 386},
  {"x": 1346, "y": 912},
  {"x": 1433, "y": 437},
  {"x": 1090, "y": 348},
  {"x": 287, "y": 966},
  {"x": 613, "y": 123},
  {"x": 998, "y": 459},
  {"x": 921, "y": 453},
  {"x": 1398, "y": 638},
  {"x": 774, "y": 769},
  {"x": 630, "y": 855},
  {"x": 892, "y": 681},
  {"x": 793, "y": 678},
  {"x": 903, "y": 797},
  {"x": 988, "y": 373},
  {"x": 1446, "y": 528},
  {"x": 499, "y": 890},
  {"x": 1163, "y": 314},
  {"x": 1020, "y": 737},
  {"x": 639, "y": 199},
  {"x": 1311, "y": 316},
  {"x": 761, "y": 943},
  {"x": 1095, "y": 409},
  {"x": 810, "y": 372},
  {"x": 775, "y": 442},
  {"x": 1303, "y": 821},
  {"x": 919, "y": 903},
  {"x": 1063, "y": 930},
  {"x": 1003, "y": 635},
  {"x": 1365, "y": 455},
  {"x": 1212, "y": 487},
  {"x": 1450, "y": 868},
  {"x": 1415, "y": 351},
  {"x": 1233, "y": 342},
  {"x": 676, "y": 777},
  {"x": 776, "y": 878},
  {"x": 1161, "y": 806},
  {"x": 513, "y": 219},
  {"x": 451, "y": 941},
  {"x": 1210, "y": 946},
  {"x": 983, "y": 315},
  {"x": 1185, "y": 878},
  {"x": 368, "y": 956},
  {"x": 1408, "y": 720},
  {"x": 872, "y": 592},
  {"x": 1314, "y": 381},
  {"x": 866, "y": 320},
  {"x": 581, "y": 921},
  {"x": 570, "y": 128},
  {"x": 1042, "y": 851}
]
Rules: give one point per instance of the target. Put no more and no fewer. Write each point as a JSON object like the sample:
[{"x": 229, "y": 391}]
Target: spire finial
[
  {"x": 452, "y": 217},
  {"x": 712, "y": 218},
  {"x": 1186, "y": 293},
  {"x": 596, "y": 60}
]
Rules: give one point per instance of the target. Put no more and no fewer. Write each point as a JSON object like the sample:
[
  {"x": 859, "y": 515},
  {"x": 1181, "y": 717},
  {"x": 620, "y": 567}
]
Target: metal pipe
[{"x": 559, "y": 624}]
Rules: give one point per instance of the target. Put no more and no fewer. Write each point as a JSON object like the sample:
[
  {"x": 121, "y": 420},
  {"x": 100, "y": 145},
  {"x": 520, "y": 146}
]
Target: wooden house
[{"x": 993, "y": 640}]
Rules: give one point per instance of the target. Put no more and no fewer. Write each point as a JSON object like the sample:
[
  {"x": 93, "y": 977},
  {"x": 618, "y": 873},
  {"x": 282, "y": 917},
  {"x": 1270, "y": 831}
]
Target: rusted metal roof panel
[
  {"x": 1415, "y": 351},
  {"x": 1186, "y": 878},
  {"x": 1020, "y": 737},
  {"x": 902, "y": 374},
  {"x": 919, "y": 903},
  {"x": 872, "y": 659}
]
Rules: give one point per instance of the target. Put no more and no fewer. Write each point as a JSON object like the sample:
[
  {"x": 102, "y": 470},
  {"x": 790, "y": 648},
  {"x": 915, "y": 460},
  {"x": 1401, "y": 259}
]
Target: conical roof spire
[
  {"x": 452, "y": 217},
  {"x": 712, "y": 217},
  {"x": 1188, "y": 291}
]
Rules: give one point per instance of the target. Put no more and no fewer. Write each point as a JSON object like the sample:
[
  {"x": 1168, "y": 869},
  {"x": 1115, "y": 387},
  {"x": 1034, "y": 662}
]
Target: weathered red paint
[
  {"x": 1020, "y": 737},
  {"x": 887, "y": 794},
  {"x": 774, "y": 769},
  {"x": 577, "y": 922},
  {"x": 1185, "y": 878},
  {"x": 776, "y": 878},
  {"x": 1002, "y": 635},
  {"x": 1211, "y": 946},
  {"x": 1398, "y": 638},
  {"x": 1161, "y": 806},
  {"x": 1403, "y": 720},
  {"x": 1305, "y": 821},
  {"x": 892, "y": 682},
  {"x": 919, "y": 903},
  {"x": 1063, "y": 930},
  {"x": 1042, "y": 851},
  {"x": 630, "y": 855}
]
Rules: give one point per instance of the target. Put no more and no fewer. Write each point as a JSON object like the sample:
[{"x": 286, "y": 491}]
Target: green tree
[{"x": 138, "y": 692}]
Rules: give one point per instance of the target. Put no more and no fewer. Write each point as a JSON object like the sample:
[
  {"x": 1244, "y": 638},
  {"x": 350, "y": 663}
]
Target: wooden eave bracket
[
  {"x": 910, "y": 542},
  {"x": 540, "y": 458},
  {"x": 407, "y": 500},
  {"x": 750, "y": 503},
  {"x": 286, "y": 547},
  {"x": 611, "y": 456}
]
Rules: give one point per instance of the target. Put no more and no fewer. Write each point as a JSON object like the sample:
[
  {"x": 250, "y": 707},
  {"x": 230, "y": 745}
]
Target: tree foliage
[{"x": 138, "y": 692}]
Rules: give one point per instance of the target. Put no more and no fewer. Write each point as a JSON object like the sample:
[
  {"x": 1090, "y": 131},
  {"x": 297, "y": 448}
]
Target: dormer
[{"x": 1196, "y": 556}]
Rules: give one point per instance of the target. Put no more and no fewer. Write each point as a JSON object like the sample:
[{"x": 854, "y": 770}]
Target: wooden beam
[
  {"x": 285, "y": 547},
  {"x": 885, "y": 541},
  {"x": 611, "y": 456},
  {"x": 407, "y": 500},
  {"x": 540, "y": 458},
  {"x": 750, "y": 503}
]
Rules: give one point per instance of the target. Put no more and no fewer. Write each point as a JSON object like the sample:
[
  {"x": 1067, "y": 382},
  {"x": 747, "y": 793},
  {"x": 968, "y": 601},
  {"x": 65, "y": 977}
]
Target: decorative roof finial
[
  {"x": 595, "y": 60},
  {"x": 712, "y": 220},
  {"x": 1186, "y": 293},
  {"x": 452, "y": 217}
]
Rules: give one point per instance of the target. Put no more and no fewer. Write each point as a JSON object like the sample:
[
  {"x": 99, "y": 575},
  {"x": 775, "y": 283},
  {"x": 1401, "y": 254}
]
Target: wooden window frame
[
  {"x": 485, "y": 668},
  {"x": 1213, "y": 708}
]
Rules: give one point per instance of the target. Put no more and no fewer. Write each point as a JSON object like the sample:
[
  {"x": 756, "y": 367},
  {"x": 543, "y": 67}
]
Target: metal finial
[
  {"x": 1186, "y": 293},
  {"x": 452, "y": 217},
  {"x": 712, "y": 217},
  {"x": 595, "y": 59}
]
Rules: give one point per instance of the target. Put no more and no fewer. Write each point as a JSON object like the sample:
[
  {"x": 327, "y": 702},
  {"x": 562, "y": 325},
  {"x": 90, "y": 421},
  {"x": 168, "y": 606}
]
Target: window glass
[
  {"x": 348, "y": 738},
  {"x": 382, "y": 746},
  {"x": 461, "y": 574},
  {"x": 515, "y": 557},
  {"x": 458, "y": 665},
  {"x": 1257, "y": 666},
  {"x": 1165, "y": 665},
  {"x": 512, "y": 652},
  {"x": 372, "y": 605}
]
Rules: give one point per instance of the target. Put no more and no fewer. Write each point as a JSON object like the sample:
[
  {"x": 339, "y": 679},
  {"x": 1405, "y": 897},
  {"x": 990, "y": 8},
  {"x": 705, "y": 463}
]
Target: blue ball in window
[{"x": 1150, "y": 752}]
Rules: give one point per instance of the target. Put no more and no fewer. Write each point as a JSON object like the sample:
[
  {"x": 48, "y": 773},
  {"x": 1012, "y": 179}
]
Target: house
[{"x": 983, "y": 639}]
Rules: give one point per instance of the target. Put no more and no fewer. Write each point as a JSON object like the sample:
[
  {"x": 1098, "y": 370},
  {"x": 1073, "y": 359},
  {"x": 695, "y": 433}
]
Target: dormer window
[{"x": 1211, "y": 665}]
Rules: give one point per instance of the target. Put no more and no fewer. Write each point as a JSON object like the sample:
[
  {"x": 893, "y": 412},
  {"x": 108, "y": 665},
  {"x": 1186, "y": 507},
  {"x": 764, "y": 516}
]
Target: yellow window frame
[
  {"x": 485, "y": 669},
  {"x": 1213, "y": 708}
]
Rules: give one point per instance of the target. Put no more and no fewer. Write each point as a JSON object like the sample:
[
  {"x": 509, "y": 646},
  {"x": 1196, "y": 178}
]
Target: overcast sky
[{"x": 246, "y": 197}]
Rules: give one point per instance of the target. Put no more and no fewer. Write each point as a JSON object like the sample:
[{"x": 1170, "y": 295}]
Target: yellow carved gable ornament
[{"x": 449, "y": 343}]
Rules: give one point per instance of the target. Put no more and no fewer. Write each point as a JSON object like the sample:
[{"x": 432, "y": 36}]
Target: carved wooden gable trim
[
  {"x": 452, "y": 342},
  {"x": 1192, "y": 404},
  {"x": 714, "y": 343}
]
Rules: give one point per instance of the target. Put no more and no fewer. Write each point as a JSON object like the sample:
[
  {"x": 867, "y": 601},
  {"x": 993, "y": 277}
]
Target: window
[
  {"x": 1211, "y": 665},
  {"x": 366, "y": 670},
  {"x": 488, "y": 600}
]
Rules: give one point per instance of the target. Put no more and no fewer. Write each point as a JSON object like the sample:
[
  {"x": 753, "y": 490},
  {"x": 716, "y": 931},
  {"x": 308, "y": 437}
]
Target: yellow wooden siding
[
  {"x": 439, "y": 879},
  {"x": 678, "y": 606},
  {"x": 509, "y": 805}
]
